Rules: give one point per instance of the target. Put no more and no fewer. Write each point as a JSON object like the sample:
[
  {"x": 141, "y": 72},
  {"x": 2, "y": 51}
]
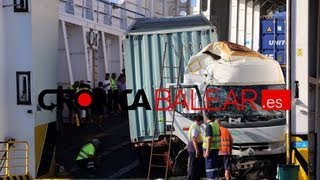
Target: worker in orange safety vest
[{"x": 225, "y": 150}]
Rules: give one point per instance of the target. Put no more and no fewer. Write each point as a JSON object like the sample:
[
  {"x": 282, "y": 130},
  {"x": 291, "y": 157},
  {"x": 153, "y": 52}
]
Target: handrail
[{"x": 14, "y": 158}]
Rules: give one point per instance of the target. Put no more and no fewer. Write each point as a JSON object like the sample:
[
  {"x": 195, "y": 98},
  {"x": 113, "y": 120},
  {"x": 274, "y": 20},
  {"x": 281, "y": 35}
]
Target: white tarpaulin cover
[{"x": 225, "y": 63}]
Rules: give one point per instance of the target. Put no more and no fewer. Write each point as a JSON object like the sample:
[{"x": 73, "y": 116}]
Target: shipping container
[
  {"x": 272, "y": 36},
  {"x": 144, "y": 48}
]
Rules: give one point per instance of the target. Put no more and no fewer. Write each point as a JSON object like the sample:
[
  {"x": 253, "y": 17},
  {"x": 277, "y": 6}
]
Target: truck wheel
[{"x": 181, "y": 163}]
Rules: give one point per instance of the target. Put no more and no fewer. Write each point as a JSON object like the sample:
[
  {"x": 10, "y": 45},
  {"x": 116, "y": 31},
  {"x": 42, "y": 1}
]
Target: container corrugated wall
[{"x": 143, "y": 62}]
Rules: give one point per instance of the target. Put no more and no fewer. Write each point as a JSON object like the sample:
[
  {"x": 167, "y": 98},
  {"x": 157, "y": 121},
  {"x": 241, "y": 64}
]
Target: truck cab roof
[{"x": 225, "y": 63}]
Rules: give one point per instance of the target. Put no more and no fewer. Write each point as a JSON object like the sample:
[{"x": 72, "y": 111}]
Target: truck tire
[{"x": 181, "y": 163}]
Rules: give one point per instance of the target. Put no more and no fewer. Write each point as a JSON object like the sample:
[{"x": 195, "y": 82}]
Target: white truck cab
[{"x": 229, "y": 79}]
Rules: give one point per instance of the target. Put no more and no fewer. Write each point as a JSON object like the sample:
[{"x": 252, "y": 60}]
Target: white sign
[
  {"x": 269, "y": 55},
  {"x": 277, "y": 42}
]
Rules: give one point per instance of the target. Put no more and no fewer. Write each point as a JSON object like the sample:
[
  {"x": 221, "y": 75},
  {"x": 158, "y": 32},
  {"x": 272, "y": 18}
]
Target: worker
[
  {"x": 113, "y": 93},
  {"x": 211, "y": 146},
  {"x": 99, "y": 104},
  {"x": 225, "y": 150},
  {"x": 106, "y": 86},
  {"x": 60, "y": 106},
  {"x": 122, "y": 100},
  {"x": 84, "y": 85},
  {"x": 86, "y": 158},
  {"x": 70, "y": 100},
  {"x": 195, "y": 139},
  {"x": 85, "y": 114}
]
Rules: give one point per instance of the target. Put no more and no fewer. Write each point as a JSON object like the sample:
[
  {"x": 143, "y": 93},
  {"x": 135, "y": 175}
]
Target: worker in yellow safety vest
[
  {"x": 86, "y": 156},
  {"x": 211, "y": 147},
  {"x": 113, "y": 93},
  {"x": 113, "y": 85},
  {"x": 195, "y": 140}
]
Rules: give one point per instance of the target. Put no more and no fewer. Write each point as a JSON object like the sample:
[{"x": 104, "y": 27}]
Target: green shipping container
[{"x": 144, "y": 47}]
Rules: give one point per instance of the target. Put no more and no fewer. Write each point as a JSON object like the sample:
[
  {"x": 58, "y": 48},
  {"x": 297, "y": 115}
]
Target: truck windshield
[
  {"x": 238, "y": 107},
  {"x": 189, "y": 106}
]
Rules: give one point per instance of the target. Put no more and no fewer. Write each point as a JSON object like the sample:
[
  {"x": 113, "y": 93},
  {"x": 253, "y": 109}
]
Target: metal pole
[
  {"x": 114, "y": 5},
  {"x": 66, "y": 45},
  {"x": 83, "y": 5},
  {"x": 27, "y": 158},
  {"x": 288, "y": 80},
  {"x": 97, "y": 11},
  {"x": 317, "y": 118},
  {"x": 93, "y": 79},
  {"x": 7, "y": 171}
]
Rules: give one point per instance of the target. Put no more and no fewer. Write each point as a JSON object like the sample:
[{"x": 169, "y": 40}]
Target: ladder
[
  {"x": 95, "y": 77},
  {"x": 93, "y": 43},
  {"x": 155, "y": 131}
]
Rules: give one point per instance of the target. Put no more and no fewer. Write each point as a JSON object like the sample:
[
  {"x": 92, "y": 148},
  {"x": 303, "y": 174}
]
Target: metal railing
[
  {"x": 14, "y": 158},
  {"x": 99, "y": 11}
]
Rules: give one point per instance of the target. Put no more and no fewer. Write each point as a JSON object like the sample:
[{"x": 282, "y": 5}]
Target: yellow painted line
[{"x": 40, "y": 135}]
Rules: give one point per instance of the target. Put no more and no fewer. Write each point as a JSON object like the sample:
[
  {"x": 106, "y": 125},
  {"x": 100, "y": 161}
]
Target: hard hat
[{"x": 96, "y": 141}]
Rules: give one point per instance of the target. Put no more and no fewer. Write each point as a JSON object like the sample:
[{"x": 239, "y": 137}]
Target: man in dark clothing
[
  {"x": 123, "y": 74},
  {"x": 70, "y": 100},
  {"x": 99, "y": 102},
  {"x": 85, "y": 114},
  {"x": 60, "y": 107},
  {"x": 84, "y": 85}
]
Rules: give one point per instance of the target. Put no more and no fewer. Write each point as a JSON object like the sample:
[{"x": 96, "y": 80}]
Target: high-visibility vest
[
  {"x": 72, "y": 88},
  {"x": 84, "y": 88},
  {"x": 86, "y": 151},
  {"x": 113, "y": 85},
  {"x": 226, "y": 141},
  {"x": 200, "y": 133},
  {"x": 68, "y": 96},
  {"x": 215, "y": 141}
]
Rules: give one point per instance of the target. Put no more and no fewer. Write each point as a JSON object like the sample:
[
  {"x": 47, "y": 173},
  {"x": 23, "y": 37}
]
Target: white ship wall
[
  {"x": 50, "y": 42},
  {"x": 24, "y": 47},
  {"x": 17, "y": 57},
  {"x": 4, "y": 123}
]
